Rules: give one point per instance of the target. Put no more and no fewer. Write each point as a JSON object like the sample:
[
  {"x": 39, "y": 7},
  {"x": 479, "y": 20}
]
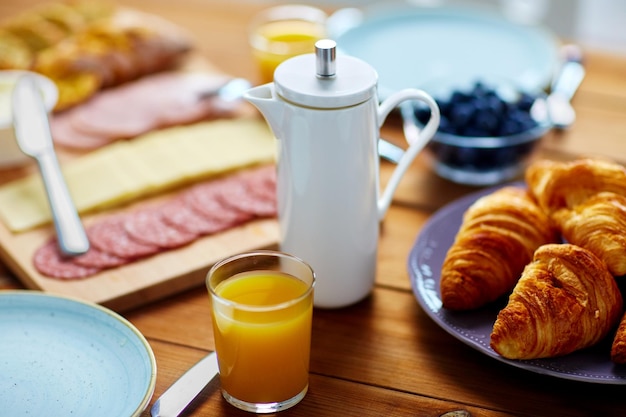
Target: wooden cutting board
[
  {"x": 143, "y": 281},
  {"x": 140, "y": 282}
]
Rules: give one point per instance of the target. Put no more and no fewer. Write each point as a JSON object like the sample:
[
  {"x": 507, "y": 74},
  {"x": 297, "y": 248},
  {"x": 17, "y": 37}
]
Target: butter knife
[
  {"x": 177, "y": 397},
  {"x": 32, "y": 131}
]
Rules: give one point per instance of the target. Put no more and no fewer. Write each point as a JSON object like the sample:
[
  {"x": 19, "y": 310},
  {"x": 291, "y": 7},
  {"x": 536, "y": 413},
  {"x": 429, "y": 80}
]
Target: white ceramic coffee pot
[{"x": 324, "y": 110}]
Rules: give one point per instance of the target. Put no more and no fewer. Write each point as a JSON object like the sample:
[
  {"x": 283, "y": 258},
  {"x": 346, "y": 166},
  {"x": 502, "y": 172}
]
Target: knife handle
[
  {"x": 70, "y": 232},
  {"x": 571, "y": 74}
]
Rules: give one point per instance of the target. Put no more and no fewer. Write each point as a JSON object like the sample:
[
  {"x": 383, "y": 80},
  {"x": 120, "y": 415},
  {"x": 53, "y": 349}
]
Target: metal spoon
[
  {"x": 232, "y": 90},
  {"x": 564, "y": 86}
]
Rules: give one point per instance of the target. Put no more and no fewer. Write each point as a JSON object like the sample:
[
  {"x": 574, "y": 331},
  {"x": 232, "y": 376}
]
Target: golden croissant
[
  {"x": 498, "y": 236},
  {"x": 557, "y": 185},
  {"x": 586, "y": 200},
  {"x": 598, "y": 225},
  {"x": 565, "y": 300},
  {"x": 618, "y": 348}
]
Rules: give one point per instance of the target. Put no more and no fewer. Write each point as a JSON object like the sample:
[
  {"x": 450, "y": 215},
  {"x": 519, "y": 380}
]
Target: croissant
[
  {"x": 598, "y": 225},
  {"x": 565, "y": 300},
  {"x": 618, "y": 348},
  {"x": 557, "y": 185},
  {"x": 586, "y": 200},
  {"x": 497, "y": 238}
]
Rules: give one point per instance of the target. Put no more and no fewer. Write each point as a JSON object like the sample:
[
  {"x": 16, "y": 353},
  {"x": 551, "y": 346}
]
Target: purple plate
[{"x": 474, "y": 328}]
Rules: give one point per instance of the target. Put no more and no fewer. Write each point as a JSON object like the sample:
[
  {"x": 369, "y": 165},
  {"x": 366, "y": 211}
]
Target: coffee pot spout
[{"x": 265, "y": 100}]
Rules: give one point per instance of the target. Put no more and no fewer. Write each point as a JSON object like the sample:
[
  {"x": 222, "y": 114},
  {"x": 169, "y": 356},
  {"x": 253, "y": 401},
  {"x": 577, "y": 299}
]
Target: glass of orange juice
[
  {"x": 281, "y": 32},
  {"x": 262, "y": 305}
]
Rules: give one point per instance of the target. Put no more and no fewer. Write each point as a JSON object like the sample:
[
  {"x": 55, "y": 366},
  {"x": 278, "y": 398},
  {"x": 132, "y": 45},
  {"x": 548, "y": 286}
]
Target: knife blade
[
  {"x": 32, "y": 132},
  {"x": 177, "y": 397}
]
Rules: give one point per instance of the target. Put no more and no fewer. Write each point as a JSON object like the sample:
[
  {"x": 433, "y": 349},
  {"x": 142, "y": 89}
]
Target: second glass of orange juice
[
  {"x": 282, "y": 32},
  {"x": 262, "y": 305}
]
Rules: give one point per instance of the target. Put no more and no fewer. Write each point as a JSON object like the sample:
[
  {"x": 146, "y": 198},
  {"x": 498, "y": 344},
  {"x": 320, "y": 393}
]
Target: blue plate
[
  {"x": 64, "y": 357},
  {"x": 474, "y": 327},
  {"x": 410, "y": 47}
]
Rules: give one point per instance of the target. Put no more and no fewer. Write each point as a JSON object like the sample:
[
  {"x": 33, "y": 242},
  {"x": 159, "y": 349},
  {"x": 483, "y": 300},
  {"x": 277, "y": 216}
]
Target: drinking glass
[
  {"x": 262, "y": 308},
  {"x": 281, "y": 32}
]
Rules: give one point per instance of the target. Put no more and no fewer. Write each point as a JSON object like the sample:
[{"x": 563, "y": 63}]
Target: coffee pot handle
[{"x": 418, "y": 143}]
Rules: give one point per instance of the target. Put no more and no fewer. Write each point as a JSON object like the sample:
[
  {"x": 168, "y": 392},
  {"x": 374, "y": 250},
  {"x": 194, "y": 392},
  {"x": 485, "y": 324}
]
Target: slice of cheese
[
  {"x": 101, "y": 180},
  {"x": 129, "y": 170}
]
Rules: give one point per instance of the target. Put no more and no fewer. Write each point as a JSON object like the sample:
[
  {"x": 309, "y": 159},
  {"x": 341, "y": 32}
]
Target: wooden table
[{"x": 384, "y": 356}]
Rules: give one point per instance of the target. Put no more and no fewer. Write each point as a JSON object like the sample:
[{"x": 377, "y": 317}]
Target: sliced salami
[
  {"x": 148, "y": 226},
  {"x": 262, "y": 182},
  {"x": 252, "y": 191},
  {"x": 202, "y": 198},
  {"x": 98, "y": 259},
  {"x": 239, "y": 197},
  {"x": 49, "y": 261},
  {"x": 204, "y": 209},
  {"x": 109, "y": 235},
  {"x": 178, "y": 214}
]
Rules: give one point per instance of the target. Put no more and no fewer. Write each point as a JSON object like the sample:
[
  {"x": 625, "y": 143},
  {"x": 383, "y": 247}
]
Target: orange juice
[
  {"x": 274, "y": 42},
  {"x": 262, "y": 327}
]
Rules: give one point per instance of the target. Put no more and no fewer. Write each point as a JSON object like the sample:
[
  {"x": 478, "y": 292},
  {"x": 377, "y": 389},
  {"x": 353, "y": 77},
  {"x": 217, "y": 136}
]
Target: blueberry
[
  {"x": 510, "y": 127},
  {"x": 460, "y": 97},
  {"x": 445, "y": 126},
  {"x": 523, "y": 118},
  {"x": 479, "y": 111},
  {"x": 487, "y": 122},
  {"x": 461, "y": 114},
  {"x": 480, "y": 104},
  {"x": 480, "y": 90},
  {"x": 474, "y": 131},
  {"x": 495, "y": 104},
  {"x": 528, "y": 123},
  {"x": 525, "y": 102},
  {"x": 444, "y": 107},
  {"x": 422, "y": 114}
]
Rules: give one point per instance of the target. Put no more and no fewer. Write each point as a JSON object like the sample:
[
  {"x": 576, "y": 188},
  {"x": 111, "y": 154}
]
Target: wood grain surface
[{"x": 383, "y": 356}]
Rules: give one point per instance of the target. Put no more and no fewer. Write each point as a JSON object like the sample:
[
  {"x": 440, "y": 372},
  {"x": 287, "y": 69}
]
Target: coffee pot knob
[{"x": 326, "y": 58}]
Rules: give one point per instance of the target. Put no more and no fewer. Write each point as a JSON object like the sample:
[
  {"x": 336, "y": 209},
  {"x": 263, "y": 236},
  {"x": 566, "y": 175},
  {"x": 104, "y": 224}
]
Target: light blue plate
[
  {"x": 411, "y": 46},
  {"x": 64, "y": 357}
]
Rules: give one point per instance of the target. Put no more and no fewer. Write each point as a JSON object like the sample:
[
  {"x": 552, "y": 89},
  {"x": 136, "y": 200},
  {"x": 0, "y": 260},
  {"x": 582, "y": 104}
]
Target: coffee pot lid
[{"x": 325, "y": 79}]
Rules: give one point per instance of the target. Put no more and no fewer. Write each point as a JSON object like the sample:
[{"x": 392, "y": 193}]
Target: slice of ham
[
  {"x": 64, "y": 134},
  {"x": 134, "y": 108}
]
